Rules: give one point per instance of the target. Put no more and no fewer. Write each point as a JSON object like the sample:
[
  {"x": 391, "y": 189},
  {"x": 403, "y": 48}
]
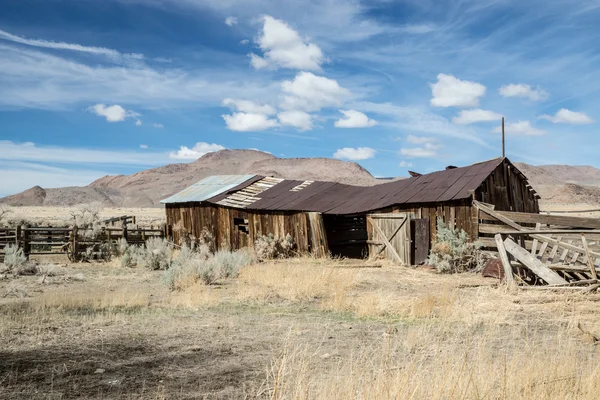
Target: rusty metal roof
[
  {"x": 336, "y": 198},
  {"x": 208, "y": 187}
]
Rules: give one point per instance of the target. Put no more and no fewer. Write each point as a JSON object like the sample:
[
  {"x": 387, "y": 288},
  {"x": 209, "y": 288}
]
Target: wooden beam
[
  {"x": 546, "y": 231},
  {"x": 392, "y": 236},
  {"x": 535, "y": 242},
  {"x": 519, "y": 228},
  {"x": 508, "y": 272},
  {"x": 533, "y": 264},
  {"x": 589, "y": 257}
]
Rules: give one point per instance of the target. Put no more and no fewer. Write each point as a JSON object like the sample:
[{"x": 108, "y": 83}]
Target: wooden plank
[
  {"x": 547, "y": 231},
  {"x": 544, "y": 219},
  {"x": 519, "y": 228},
  {"x": 589, "y": 257},
  {"x": 535, "y": 242},
  {"x": 543, "y": 247},
  {"x": 535, "y": 265},
  {"x": 387, "y": 243},
  {"x": 508, "y": 272},
  {"x": 387, "y": 216}
]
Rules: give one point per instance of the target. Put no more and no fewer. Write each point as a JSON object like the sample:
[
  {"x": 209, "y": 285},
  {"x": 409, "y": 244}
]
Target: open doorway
[{"x": 347, "y": 235}]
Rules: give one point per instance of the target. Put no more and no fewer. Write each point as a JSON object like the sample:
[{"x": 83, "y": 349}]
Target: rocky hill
[{"x": 147, "y": 188}]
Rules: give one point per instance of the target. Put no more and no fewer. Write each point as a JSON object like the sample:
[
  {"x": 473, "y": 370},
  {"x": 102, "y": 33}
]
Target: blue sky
[{"x": 96, "y": 87}]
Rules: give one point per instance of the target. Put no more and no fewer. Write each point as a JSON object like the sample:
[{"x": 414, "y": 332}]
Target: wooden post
[
  {"x": 124, "y": 232},
  {"x": 589, "y": 257},
  {"x": 18, "y": 236},
  {"x": 508, "y": 272},
  {"x": 74, "y": 245},
  {"x": 26, "y": 244},
  {"x": 503, "y": 151}
]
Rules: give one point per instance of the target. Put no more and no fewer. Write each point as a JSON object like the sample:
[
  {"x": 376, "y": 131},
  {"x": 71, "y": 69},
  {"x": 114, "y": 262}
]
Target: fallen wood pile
[{"x": 546, "y": 259}]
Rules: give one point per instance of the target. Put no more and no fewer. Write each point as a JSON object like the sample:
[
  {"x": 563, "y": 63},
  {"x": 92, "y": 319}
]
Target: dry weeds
[{"x": 303, "y": 328}]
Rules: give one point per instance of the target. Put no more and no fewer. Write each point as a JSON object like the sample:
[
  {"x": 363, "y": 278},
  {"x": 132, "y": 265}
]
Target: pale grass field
[
  {"x": 58, "y": 216},
  {"x": 299, "y": 329}
]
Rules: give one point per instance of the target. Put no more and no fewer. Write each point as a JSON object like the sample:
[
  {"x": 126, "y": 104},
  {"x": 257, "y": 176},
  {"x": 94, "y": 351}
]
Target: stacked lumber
[{"x": 550, "y": 259}]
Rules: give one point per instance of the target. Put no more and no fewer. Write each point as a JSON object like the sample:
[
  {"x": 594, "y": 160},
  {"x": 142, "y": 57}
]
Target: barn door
[
  {"x": 419, "y": 232},
  {"x": 389, "y": 235}
]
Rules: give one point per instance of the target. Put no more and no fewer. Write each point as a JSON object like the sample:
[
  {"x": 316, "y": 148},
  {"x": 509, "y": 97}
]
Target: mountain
[
  {"x": 561, "y": 186},
  {"x": 147, "y": 188},
  {"x": 565, "y": 187}
]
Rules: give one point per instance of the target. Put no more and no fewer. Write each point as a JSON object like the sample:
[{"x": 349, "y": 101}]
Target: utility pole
[{"x": 503, "y": 151}]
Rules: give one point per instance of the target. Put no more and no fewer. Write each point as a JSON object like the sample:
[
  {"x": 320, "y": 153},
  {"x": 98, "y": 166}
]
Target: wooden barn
[{"x": 397, "y": 219}]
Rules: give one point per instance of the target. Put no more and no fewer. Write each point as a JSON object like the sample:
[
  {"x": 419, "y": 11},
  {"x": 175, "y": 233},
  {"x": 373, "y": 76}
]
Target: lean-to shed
[{"x": 348, "y": 220}]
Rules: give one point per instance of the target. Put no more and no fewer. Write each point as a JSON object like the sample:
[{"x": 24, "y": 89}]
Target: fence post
[
  {"x": 73, "y": 238},
  {"x": 124, "y": 233},
  {"x": 26, "y": 244},
  {"x": 18, "y": 235}
]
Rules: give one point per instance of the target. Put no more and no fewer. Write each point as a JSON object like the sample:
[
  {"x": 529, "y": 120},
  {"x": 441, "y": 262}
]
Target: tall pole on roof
[{"x": 503, "y": 152}]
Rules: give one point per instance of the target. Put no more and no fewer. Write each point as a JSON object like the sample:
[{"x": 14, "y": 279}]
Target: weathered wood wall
[
  {"x": 508, "y": 190},
  {"x": 234, "y": 229}
]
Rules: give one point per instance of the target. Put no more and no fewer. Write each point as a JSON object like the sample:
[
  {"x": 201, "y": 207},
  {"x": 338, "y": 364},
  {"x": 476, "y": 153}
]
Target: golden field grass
[{"x": 294, "y": 329}]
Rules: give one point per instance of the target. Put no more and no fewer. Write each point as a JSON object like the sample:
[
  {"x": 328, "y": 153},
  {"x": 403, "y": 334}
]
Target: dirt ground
[{"x": 301, "y": 328}]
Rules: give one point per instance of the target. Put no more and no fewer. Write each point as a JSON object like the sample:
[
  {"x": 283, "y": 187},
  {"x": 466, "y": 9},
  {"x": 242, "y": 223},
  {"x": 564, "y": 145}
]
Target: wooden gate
[{"x": 389, "y": 234}]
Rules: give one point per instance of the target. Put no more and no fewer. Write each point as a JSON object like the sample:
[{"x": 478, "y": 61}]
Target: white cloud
[
  {"x": 31, "y": 152},
  {"x": 248, "y": 122},
  {"x": 143, "y": 146},
  {"x": 158, "y": 126},
  {"x": 199, "y": 149},
  {"x": 114, "y": 113},
  {"x": 283, "y": 47},
  {"x": 249, "y": 106},
  {"x": 354, "y": 119},
  {"x": 427, "y": 150},
  {"x": 524, "y": 91},
  {"x": 466, "y": 117},
  {"x": 32, "y": 79},
  {"x": 110, "y": 53},
  {"x": 355, "y": 154},
  {"x": 297, "y": 119},
  {"x": 418, "y": 29},
  {"x": 231, "y": 21},
  {"x": 163, "y": 60},
  {"x": 244, "y": 41},
  {"x": 138, "y": 122},
  {"x": 405, "y": 164},
  {"x": 415, "y": 119},
  {"x": 564, "y": 116},
  {"x": 420, "y": 139},
  {"x": 520, "y": 128},
  {"x": 309, "y": 92},
  {"x": 450, "y": 91}
]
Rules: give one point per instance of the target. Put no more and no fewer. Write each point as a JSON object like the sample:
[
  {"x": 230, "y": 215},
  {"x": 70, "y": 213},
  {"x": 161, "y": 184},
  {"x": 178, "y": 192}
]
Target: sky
[{"x": 96, "y": 87}]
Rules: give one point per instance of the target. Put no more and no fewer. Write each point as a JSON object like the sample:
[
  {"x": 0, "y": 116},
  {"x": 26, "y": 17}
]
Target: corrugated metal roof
[
  {"x": 207, "y": 188},
  {"x": 337, "y": 198}
]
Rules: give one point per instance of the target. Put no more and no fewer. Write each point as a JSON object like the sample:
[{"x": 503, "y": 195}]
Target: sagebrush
[
  {"x": 271, "y": 247},
  {"x": 155, "y": 254},
  {"x": 453, "y": 252},
  {"x": 16, "y": 262},
  {"x": 195, "y": 263}
]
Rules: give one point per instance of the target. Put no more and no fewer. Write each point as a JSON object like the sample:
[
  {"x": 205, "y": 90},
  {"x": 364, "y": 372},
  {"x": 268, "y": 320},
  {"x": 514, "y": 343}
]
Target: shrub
[
  {"x": 270, "y": 247},
  {"x": 452, "y": 251},
  {"x": 156, "y": 254},
  {"x": 194, "y": 264},
  {"x": 16, "y": 262}
]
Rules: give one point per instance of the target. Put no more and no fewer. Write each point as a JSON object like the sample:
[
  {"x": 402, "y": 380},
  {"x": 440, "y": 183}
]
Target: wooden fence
[{"x": 72, "y": 241}]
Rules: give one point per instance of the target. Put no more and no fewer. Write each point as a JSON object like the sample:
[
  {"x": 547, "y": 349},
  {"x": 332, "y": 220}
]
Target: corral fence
[{"x": 74, "y": 241}]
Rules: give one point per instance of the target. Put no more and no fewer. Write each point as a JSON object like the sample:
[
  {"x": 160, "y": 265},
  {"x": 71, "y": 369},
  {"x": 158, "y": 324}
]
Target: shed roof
[
  {"x": 209, "y": 187},
  {"x": 260, "y": 193}
]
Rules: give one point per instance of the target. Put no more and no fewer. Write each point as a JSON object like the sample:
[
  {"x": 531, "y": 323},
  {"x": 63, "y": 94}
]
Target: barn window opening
[{"x": 241, "y": 224}]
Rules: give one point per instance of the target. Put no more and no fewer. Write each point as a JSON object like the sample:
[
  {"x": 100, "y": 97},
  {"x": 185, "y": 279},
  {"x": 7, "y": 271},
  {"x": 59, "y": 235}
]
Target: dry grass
[
  {"x": 492, "y": 364},
  {"x": 354, "y": 330}
]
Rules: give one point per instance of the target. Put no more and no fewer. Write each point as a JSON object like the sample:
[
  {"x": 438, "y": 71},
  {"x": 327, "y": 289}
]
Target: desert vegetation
[{"x": 161, "y": 321}]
